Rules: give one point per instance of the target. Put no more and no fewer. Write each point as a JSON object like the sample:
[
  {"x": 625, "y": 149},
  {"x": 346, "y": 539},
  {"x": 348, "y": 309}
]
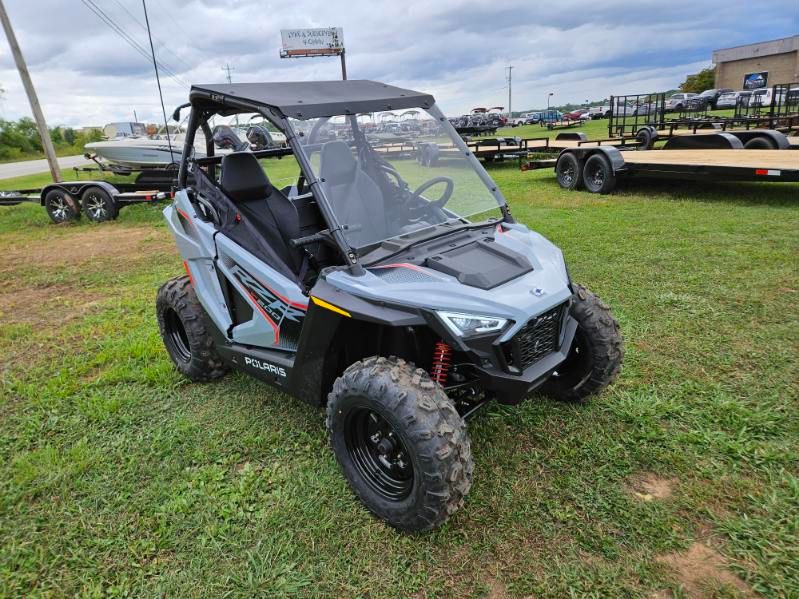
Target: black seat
[
  {"x": 264, "y": 206},
  {"x": 356, "y": 198}
]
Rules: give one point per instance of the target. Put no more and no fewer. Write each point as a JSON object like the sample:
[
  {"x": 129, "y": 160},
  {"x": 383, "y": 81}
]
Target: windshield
[{"x": 388, "y": 174}]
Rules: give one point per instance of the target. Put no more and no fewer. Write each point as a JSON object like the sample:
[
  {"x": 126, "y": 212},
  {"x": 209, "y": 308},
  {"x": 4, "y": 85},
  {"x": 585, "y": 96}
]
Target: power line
[
  {"x": 129, "y": 40},
  {"x": 162, "y": 44},
  {"x": 158, "y": 80}
]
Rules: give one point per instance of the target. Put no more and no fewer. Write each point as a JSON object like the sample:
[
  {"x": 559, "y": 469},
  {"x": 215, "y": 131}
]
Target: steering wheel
[{"x": 421, "y": 207}]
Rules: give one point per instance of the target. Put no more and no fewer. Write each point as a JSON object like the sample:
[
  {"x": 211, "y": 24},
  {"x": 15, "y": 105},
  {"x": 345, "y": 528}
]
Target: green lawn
[{"x": 117, "y": 477}]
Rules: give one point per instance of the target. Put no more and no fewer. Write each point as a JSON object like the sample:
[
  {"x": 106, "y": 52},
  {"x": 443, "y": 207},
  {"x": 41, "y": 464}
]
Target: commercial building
[{"x": 758, "y": 65}]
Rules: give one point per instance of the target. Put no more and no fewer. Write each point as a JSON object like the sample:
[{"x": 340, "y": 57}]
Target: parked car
[
  {"x": 765, "y": 96},
  {"x": 730, "y": 99},
  {"x": 599, "y": 112},
  {"x": 640, "y": 108},
  {"x": 550, "y": 116},
  {"x": 712, "y": 95},
  {"x": 679, "y": 101},
  {"x": 575, "y": 115},
  {"x": 533, "y": 118},
  {"x": 519, "y": 120}
]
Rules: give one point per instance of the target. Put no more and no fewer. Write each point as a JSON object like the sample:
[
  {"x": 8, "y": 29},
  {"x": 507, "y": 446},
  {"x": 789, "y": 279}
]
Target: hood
[{"x": 539, "y": 282}]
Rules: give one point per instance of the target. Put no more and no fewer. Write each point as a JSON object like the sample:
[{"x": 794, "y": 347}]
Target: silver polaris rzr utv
[{"x": 386, "y": 281}]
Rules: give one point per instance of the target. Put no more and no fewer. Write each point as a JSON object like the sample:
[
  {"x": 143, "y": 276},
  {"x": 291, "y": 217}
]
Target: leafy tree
[
  {"x": 699, "y": 82},
  {"x": 56, "y": 136},
  {"x": 69, "y": 135}
]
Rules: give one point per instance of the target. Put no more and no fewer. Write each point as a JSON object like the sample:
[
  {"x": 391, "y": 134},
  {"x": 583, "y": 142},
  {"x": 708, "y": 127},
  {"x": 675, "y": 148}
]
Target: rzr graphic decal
[{"x": 283, "y": 315}]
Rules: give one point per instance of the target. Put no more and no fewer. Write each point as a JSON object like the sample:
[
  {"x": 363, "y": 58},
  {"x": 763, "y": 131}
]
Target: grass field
[{"x": 119, "y": 478}]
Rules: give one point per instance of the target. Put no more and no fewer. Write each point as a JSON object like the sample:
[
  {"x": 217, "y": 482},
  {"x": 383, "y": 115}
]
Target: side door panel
[{"x": 278, "y": 305}]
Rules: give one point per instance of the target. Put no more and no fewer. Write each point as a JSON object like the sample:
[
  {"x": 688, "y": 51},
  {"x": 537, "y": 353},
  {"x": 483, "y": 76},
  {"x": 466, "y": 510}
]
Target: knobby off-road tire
[
  {"x": 596, "y": 355},
  {"x": 386, "y": 405},
  {"x": 181, "y": 319}
]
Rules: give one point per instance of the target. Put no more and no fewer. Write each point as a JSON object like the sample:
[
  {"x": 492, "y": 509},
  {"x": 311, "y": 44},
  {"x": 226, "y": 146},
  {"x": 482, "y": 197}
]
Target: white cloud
[{"x": 456, "y": 49}]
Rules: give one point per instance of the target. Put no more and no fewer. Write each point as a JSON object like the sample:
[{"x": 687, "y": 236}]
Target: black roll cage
[{"x": 202, "y": 111}]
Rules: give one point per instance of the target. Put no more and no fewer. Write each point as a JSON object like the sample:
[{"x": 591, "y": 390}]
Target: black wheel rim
[
  {"x": 378, "y": 454},
  {"x": 596, "y": 176},
  {"x": 95, "y": 207},
  {"x": 567, "y": 172},
  {"x": 577, "y": 366},
  {"x": 175, "y": 336}
]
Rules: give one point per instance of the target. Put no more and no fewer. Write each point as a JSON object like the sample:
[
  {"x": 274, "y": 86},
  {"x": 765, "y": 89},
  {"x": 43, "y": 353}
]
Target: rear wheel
[
  {"x": 598, "y": 176},
  {"x": 569, "y": 171},
  {"x": 596, "y": 354},
  {"x": 400, "y": 443},
  {"x": 645, "y": 138},
  {"x": 181, "y": 319},
  {"x": 61, "y": 207},
  {"x": 760, "y": 143},
  {"x": 98, "y": 205}
]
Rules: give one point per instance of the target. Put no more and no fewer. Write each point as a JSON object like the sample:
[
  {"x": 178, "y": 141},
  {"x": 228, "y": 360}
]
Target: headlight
[{"x": 464, "y": 325}]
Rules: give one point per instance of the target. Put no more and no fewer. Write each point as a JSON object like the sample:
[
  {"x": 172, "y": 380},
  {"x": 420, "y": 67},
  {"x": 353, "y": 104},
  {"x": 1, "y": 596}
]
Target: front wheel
[
  {"x": 400, "y": 443},
  {"x": 569, "y": 171},
  {"x": 61, "y": 207},
  {"x": 595, "y": 358}
]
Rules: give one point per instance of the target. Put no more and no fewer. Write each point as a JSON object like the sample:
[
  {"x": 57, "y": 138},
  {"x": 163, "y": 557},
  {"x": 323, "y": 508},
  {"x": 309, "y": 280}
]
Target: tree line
[{"x": 20, "y": 139}]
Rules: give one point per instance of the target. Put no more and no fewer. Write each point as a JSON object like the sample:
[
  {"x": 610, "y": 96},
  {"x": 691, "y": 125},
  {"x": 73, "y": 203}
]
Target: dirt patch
[
  {"x": 649, "y": 487},
  {"x": 104, "y": 242},
  {"x": 497, "y": 590},
  {"x": 54, "y": 305},
  {"x": 700, "y": 570}
]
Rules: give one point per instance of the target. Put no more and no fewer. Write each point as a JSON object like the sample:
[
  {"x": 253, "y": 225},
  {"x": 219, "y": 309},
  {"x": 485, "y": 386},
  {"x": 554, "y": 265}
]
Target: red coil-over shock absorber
[{"x": 442, "y": 361}]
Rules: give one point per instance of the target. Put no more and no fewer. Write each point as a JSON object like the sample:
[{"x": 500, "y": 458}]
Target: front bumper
[{"x": 509, "y": 388}]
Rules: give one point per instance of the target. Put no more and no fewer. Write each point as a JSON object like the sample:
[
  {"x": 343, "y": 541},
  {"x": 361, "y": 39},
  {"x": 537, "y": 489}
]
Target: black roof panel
[{"x": 310, "y": 99}]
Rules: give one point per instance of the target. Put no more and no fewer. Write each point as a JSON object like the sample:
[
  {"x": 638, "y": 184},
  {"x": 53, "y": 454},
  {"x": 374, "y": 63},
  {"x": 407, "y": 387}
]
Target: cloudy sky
[{"x": 87, "y": 74}]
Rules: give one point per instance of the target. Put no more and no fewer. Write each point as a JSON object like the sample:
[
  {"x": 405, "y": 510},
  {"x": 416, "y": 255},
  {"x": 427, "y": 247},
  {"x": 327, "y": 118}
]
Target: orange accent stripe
[{"x": 188, "y": 272}]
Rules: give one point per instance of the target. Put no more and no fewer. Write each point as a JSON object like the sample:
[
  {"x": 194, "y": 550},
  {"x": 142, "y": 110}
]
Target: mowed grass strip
[{"x": 118, "y": 477}]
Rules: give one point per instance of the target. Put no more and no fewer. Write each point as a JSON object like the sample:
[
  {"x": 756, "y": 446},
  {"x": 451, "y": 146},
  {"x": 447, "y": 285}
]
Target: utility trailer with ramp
[
  {"x": 646, "y": 118},
  {"x": 600, "y": 169}
]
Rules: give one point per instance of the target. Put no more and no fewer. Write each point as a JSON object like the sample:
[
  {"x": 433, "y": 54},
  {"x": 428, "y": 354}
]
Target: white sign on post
[{"x": 323, "y": 41}]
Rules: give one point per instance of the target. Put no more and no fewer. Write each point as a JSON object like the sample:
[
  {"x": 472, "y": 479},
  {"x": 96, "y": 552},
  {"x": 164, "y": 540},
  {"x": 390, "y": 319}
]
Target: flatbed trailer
[
  {"x": 99, "y": 200},
  {"x": 600, "y": 169}
]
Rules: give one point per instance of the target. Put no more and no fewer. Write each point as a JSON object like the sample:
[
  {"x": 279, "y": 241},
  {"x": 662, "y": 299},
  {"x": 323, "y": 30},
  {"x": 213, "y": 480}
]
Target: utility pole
[
  {"x": 44, "y": 132},
  {"x": 510, "y": 91},
  {"x": 343, "y": 66}
]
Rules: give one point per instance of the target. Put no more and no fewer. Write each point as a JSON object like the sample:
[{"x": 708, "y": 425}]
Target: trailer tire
[
  {"x": 98, "y": 205},
  {"x": 598, "y": 175},
  {"x": 184, "y": 330},
  {"x": 569, "y": 171},
  {"x": 646, "y": 139},
  {"x": 596, "y": 355},
  {"x": 61, "y": 207},
  {"x": 400, "y": 442},
  {"x": 760, "y": 143}
]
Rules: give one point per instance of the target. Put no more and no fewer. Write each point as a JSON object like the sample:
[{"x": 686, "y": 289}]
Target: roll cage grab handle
[{"x": 196, "y": 119}]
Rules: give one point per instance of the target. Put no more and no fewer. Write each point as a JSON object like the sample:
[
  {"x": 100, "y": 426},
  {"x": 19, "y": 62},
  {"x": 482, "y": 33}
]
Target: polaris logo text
[{"x": 256, "y": 363}]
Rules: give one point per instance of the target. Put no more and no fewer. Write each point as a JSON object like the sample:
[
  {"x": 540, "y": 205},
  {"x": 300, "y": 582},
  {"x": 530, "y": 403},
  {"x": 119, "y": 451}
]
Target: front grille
[{"x": 538, "y": 338}]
